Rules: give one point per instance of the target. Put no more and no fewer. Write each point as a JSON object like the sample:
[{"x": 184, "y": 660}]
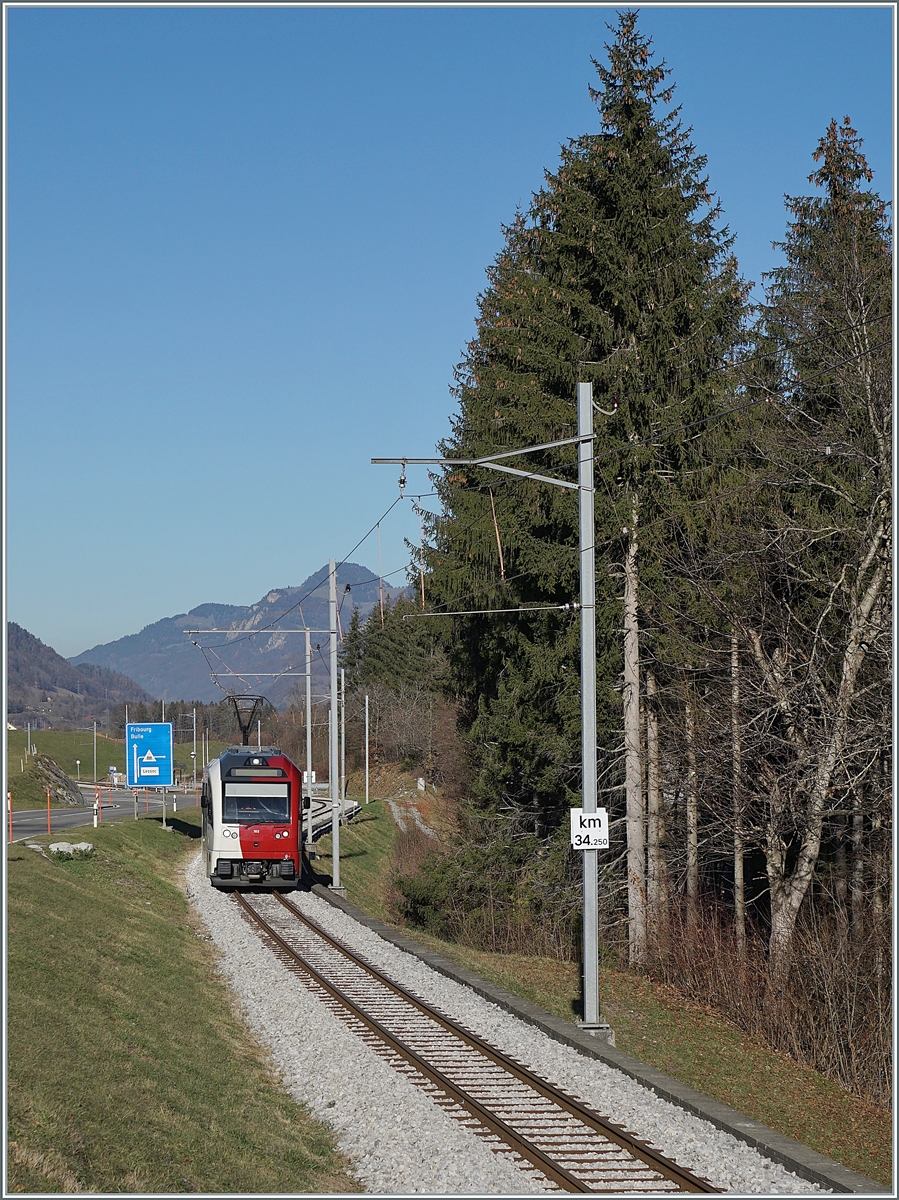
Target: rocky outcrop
[{"x": 50, "y": 775}]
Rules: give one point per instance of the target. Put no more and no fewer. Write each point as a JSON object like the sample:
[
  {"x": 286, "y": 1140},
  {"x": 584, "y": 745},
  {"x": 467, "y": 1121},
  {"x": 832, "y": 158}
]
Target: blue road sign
[{"x": 148, "y": 753}]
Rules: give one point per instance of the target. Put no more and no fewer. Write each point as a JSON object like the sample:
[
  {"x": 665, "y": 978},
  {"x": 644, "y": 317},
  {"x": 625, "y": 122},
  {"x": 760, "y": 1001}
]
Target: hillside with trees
[{"x": 43, "y": 688}]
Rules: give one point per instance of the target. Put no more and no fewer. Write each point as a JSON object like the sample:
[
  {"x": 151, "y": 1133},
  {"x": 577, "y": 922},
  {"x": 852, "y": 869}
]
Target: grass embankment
[
  {"x": 366, "y": 850},
  {"x": 67, "y": 748},
  {"x": 128, "y": 1071},
  {"x": 652, "y": 1022}
]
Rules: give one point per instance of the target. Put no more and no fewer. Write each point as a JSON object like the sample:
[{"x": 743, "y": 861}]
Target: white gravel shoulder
[{"x": 397, "y": 1139}]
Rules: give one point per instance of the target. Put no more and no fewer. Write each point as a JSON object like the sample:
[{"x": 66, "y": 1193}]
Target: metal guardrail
[{"x": 321, "y": 820}]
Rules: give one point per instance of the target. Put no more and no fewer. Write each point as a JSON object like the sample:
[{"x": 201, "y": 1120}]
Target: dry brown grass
[{"x": 834, "y": 1015}]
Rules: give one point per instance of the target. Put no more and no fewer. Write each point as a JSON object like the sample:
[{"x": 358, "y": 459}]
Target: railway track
[{"x": 496, "y": 1097}]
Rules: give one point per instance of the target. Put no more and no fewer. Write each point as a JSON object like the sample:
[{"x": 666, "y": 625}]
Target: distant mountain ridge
[
  {"x": 46, "y": 689},
  {"x": 166, "y": 662}
]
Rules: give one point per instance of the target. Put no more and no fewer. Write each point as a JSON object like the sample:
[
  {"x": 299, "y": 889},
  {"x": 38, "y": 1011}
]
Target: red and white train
[{"x": 252, "y": 801}]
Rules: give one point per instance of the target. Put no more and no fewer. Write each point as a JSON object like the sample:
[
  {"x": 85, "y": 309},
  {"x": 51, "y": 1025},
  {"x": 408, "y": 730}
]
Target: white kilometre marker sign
[{"x": 589, "y": 831}]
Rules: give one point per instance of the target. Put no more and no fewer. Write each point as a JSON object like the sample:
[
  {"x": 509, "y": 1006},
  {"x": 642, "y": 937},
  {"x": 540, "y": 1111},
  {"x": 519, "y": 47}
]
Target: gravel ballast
[{"x": 397, "y": 1139}]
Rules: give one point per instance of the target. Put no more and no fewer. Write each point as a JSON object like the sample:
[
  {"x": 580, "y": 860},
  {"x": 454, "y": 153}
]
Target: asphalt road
[{"x": 29, "y": 822}]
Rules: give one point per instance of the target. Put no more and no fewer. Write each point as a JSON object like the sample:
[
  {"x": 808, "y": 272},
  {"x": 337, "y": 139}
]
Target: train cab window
[{"x": 249, "y": 802}]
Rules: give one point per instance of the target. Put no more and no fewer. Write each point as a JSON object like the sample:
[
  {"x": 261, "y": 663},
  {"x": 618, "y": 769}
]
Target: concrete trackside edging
[{"x": 789, "y": 1153}]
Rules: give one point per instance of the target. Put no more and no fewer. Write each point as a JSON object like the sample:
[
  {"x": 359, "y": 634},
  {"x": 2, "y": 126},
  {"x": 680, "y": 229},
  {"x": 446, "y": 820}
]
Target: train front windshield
[{"x": 252, "y": 802}]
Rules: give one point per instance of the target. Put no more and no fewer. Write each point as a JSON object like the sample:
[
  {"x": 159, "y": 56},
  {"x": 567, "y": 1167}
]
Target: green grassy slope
[
  {"x": 128, "y": 1071},
  {"x": 366, "y": 847}
]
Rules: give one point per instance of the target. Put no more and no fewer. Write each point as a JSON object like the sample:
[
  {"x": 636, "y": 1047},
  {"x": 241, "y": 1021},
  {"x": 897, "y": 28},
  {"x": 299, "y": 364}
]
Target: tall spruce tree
[{"x": 618, "y": 274}]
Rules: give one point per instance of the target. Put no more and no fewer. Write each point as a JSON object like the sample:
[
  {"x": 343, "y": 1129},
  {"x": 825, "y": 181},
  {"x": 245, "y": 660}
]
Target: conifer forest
[
  {"x": 742, "y": 464},
  {"x": 742, "y": 461}
]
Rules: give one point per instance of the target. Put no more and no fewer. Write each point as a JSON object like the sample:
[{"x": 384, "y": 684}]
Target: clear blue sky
[{"x": 245, "y": 247}]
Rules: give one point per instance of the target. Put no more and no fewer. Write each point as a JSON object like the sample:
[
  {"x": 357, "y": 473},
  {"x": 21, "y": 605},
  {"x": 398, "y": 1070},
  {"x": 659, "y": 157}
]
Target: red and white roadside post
[{"x": 48, "y": 810}]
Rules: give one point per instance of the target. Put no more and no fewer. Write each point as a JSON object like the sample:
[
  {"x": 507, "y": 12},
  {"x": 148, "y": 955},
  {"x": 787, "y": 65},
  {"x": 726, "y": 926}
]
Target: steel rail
[
  {"x": 609, "y": 1129},
  {"x": 510, "y": 1136},
  {"x": 685, "y": 1180}
]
